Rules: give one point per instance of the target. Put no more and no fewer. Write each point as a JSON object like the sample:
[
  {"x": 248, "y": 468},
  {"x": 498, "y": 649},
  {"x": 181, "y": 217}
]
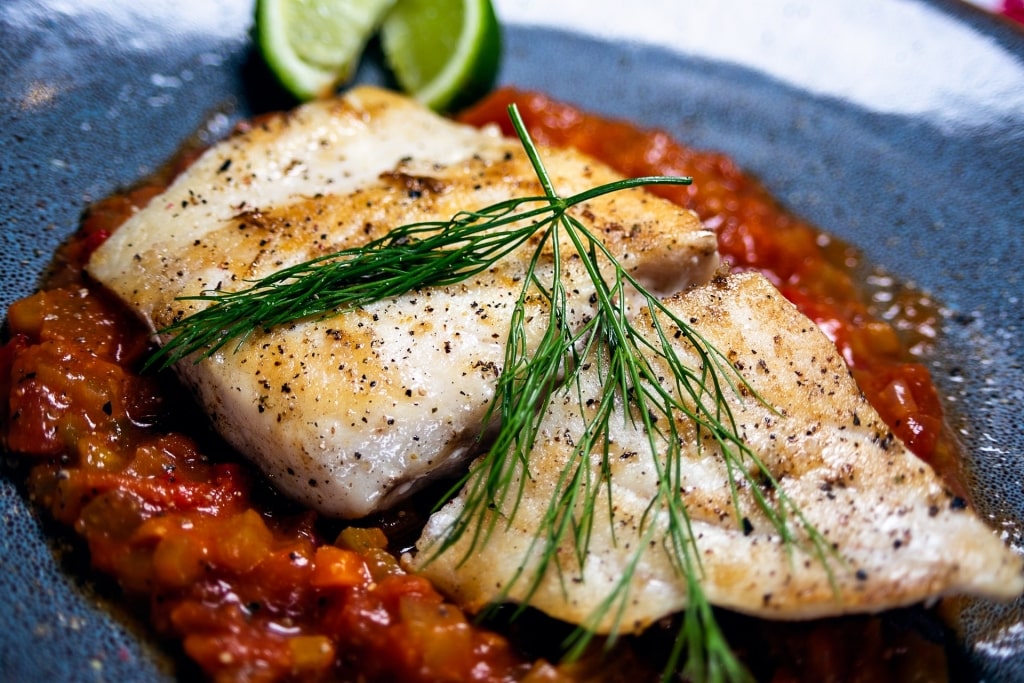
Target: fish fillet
[
  {"x": 352, "y": 413},
  {"x": 900, "y": 536}
]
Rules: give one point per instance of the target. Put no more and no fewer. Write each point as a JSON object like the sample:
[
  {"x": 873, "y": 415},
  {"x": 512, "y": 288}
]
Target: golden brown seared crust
[
  {"x": 352, "y": 413},
  {"x": 900, "y": 536}
]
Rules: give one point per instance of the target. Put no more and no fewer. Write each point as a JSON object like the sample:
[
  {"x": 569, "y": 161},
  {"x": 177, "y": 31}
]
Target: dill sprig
[
  {"x": 630, "y": 366},
  {"x": 409, "y": 257}
]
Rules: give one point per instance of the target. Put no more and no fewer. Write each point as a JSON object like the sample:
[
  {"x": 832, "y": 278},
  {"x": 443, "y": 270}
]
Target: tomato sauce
[
  {"x": 254, "y": 588},
  {"x": 257, "y": 589}
]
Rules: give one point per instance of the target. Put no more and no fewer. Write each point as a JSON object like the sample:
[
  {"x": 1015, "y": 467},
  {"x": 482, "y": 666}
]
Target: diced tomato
[
  {"x": 905, "y": 397},
  {"x": 338, "y": 568}
]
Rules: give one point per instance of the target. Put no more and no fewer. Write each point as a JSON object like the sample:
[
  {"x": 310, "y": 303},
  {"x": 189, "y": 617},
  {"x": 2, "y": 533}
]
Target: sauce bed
[{"x": 257, "y": 589}]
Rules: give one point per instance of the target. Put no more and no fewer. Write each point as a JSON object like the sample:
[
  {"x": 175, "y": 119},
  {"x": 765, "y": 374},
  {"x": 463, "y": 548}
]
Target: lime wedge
[
  {"x": 445, "y": 53},
  {"x": 314, "y": 45}
]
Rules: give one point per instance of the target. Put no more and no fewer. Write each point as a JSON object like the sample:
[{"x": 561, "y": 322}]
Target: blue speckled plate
[{"x": 897, "y": 124}]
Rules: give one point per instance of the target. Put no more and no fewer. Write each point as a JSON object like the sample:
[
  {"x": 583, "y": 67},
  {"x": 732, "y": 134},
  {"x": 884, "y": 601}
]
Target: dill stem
[{"x": 628, "y": 366}]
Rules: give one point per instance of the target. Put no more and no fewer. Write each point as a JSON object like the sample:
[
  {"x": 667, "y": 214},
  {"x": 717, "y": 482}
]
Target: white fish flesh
[
  {"x": 899, "y": 535},
  {"x": 352, "y": 413}
]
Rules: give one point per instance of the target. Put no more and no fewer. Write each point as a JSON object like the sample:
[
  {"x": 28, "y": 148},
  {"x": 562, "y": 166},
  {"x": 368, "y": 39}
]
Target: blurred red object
[{"x": 1013, "y": 9}]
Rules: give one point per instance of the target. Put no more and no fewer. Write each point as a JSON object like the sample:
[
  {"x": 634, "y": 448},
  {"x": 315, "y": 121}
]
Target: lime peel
[
  {"x": 444, "y": 53},
  {"x": 437, "y": 65},
  {"x": 312, "y": 46}
]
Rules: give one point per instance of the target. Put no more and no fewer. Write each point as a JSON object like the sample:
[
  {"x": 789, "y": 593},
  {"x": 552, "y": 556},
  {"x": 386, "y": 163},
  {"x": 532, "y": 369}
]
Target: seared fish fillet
[
  {"x": 352, "y": 413},
  {"x": 900, "y": 536}
]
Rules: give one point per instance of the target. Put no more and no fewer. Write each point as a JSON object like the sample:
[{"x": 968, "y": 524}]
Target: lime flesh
[
  {"x": 312, "y": 46},
  {"x": 445, "y": 53}
]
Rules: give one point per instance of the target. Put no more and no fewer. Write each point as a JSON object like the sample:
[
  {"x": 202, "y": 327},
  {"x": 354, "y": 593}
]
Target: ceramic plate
[{"x": 896, "y": 124}]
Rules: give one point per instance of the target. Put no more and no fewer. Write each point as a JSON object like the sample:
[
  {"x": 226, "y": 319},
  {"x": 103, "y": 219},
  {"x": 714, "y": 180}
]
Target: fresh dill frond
[
  {"x": 409, "y": 257},
  {"x": 641, "y": 376},
  {"x": 633, "y": 385}
]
